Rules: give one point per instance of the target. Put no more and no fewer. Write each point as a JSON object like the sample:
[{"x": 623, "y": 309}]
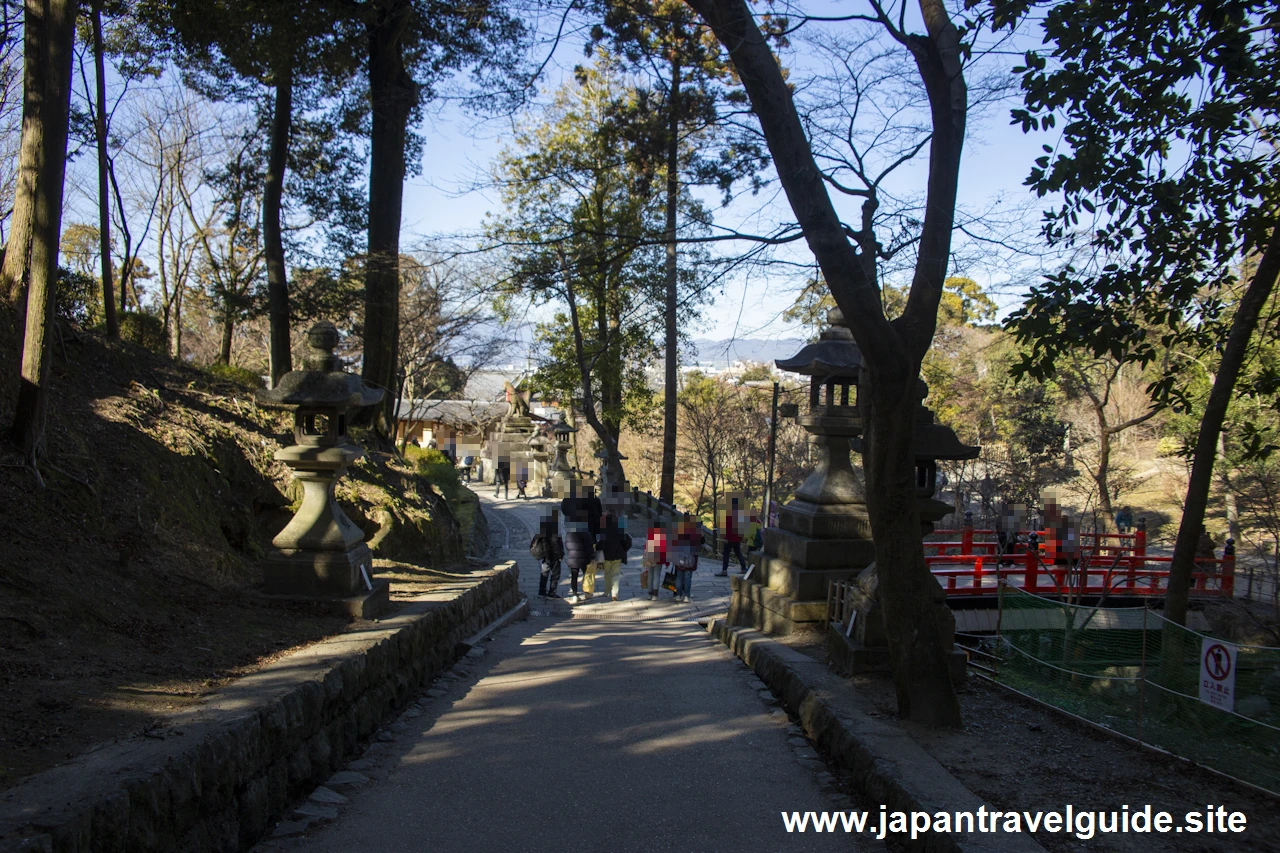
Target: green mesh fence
[{"x": 1133, "y": 671}]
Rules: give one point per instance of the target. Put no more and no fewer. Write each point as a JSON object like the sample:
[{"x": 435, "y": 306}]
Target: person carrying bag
[
  {"x": 685, "y": 559},
  {"x": 655, "y": 562},
  {"x": 548, "y": 548},
  {"x": 614, "y": 544}
]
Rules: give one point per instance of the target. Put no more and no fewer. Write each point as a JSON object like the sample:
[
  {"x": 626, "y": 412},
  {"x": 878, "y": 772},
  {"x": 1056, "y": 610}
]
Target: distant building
[{"x": 462, "y": 427}]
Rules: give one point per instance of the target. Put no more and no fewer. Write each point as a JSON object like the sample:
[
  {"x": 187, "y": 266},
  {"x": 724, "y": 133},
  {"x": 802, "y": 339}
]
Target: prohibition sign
[{"x": 1217, "y": 662}]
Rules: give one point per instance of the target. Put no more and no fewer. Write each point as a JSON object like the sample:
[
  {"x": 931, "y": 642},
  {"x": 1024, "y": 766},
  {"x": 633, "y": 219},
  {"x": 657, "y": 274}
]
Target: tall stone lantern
[
  {"x": 824, "y": 533},
  {"x": 865, "y": 648},
  {"x": 563, "y": 478},
  {"x": 321, "y": 555},
  {"x": 539, "y": 457},
  {"x": 932, "y": 442}
]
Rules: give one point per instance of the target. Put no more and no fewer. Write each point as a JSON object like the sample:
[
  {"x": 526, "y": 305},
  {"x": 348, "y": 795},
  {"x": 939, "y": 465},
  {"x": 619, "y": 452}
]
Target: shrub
[
  {"x": 76, "y": 297},
  {"x": 434, "y": 467},
  {"x": 145, "y": 330},
  {"x": 235, "y": 375}
]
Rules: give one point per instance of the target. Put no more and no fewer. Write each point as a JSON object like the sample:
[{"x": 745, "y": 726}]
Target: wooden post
[
  {"x": 1030, "y": 576},
  {"x": 1229, "y": 567}
]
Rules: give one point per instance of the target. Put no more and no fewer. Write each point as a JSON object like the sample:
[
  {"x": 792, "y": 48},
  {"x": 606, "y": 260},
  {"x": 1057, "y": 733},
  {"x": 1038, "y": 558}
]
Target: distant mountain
[{"x": 744, "y": 349}]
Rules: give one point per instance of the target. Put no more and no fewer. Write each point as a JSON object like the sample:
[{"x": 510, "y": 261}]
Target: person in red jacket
[
  {"x": 655, "y": 558},
  {"x": 732, "y": 540}
]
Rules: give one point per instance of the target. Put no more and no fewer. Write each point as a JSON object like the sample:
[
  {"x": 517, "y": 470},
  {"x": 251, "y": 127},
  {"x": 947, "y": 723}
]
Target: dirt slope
[{"x": 128, "y": 583}]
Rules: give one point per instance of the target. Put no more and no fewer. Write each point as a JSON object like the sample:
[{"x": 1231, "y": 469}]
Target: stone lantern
[
  {"x": 321, "y": 555},
  {"x": 539, "y": 456},
  {"x": 823, "y": 534},
  {"x": 563, "y": 478},
  {"x": 931, "y": 442},
  {"x": 866, "y": 647}
]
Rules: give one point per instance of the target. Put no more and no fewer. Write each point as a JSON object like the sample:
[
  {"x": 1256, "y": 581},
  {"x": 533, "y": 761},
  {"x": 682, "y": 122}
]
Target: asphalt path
[{"x": 570, "y": 734}]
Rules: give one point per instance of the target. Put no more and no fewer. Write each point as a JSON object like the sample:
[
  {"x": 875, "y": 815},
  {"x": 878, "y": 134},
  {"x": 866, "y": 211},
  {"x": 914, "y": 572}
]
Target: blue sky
[{"x": 997, "y": 159}]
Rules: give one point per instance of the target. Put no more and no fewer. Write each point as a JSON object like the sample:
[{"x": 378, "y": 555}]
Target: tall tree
[
  {"x": 230, "y": 265},
  {"x": 916, "y": 616},
  {"x": 104, "y": 198},
  {"x": 411, "y": 46},
  {"x": 684, "y": 135},
  {"x": 50, "y": 39},
  {"x": 582, "y": 236},
  {"x": 288, "y": 48},
  {"x": 1101, "y": 384},
  {"x": 1169, "y": 157}
]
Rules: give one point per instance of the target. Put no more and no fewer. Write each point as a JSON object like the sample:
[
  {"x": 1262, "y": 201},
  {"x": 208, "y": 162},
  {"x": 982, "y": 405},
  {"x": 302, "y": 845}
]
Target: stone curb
[
  {"x": 516, "y": 614},
  {"x": 885, "y": 762},
  {"x": 220, "y": 774}
]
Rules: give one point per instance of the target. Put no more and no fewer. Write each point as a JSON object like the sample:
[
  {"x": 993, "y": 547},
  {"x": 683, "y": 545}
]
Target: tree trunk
[
  {"x": 394, "y": 95},
  {"x": 916, "y": 616},
  {"x": 280, "y": 350},
  {"x": 1215, "y": 412},
  {"x": 53, "y": 22},
  {"x": 612, "y": 464},
  {"x": 915, "y": 620},
  {"x": 1102, "y": 477},
  {"x": 667, "y": 482},
  {"x": 104, "y": 200},
  {"x": 1228, "y": 492},
  {"x": 14, "y": 274},
  {"x": 228, "y": 331},
  {"x": 175, "y": 328}
]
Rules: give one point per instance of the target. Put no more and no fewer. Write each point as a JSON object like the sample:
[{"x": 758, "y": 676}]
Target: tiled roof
[{"x": 453, "y": 412}]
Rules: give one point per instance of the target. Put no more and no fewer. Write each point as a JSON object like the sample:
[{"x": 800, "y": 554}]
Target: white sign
[{"x": 1218, "y": 674}]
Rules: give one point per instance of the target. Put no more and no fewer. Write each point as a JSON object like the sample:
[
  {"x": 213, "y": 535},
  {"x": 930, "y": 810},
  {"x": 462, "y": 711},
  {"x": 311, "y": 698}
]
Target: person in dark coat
[
  {"x": 579, "y": 554},
  {"x": 548, "y": 547},
  {"x": 581, "y": 513},
  {"x": 502, "y": 479}
]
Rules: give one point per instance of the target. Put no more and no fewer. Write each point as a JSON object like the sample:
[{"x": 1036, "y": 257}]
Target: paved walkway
[
  {"x": 512, "y": 523},
  {"x": 630, "y": 731}
]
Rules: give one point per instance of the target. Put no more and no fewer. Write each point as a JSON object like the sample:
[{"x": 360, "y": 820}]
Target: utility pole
[{"x": 773, "y": 444}]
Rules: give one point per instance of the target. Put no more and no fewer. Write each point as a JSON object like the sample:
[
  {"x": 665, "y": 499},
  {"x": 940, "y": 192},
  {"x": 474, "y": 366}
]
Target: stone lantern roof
[
  {"x": 323, "y": 383},
  {"x": 561, "y": 427},
  {"x": 933, "y": 440},
  {"x": 833, "y": 356}
]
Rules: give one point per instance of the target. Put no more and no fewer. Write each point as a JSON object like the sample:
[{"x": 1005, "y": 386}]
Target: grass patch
[
  {"x": 235, "y": 375},
  {"x": 434, "y": 467}
]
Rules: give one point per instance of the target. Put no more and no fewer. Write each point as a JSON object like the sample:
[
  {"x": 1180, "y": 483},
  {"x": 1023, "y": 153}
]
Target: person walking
[
  {"x": 502, "y": 480},
  {"x": 614, "y": 543},
  {"x": 581, "y": 524},
  {"x": 548, "y": 547},
  {"x": 685, "y": 558},
  {"x": 655, "y": 559},
  {"x": 732, "y": 541}
]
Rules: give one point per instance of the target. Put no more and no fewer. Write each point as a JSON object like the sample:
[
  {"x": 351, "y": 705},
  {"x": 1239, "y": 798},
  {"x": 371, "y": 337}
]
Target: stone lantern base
[
  {"x": 813, "y": 545},
  {"x": 866, "y": 647},
  {"x": 334, "y": 580},
  {"x": 320, "y": 557}
]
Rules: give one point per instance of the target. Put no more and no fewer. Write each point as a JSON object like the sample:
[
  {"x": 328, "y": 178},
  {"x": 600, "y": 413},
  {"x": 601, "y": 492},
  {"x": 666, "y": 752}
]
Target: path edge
[
  {"x": 224, "y": 772},
  {"x": 884, "y": 762}
]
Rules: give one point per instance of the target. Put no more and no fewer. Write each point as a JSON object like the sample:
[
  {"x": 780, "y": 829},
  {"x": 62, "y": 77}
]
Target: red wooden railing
[{"x": 1109, "y": 564}]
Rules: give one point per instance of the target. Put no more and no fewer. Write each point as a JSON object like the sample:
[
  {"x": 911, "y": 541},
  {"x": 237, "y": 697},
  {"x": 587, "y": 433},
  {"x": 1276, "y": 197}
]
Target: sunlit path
[{"x": 573, "y": 734}]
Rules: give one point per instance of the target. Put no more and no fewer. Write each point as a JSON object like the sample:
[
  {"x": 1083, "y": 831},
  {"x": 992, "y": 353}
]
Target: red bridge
[{"x": 1110, "y": 564}]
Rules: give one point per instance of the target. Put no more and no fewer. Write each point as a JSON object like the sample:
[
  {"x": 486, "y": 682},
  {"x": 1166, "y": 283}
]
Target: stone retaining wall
[
  {"x": 883, "y": 761},
  {"x": 220, "y": 774}
]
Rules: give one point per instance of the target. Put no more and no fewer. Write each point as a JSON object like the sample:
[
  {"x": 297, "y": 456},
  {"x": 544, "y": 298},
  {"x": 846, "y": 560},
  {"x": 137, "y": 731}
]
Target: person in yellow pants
[{"x": 614, "y": 544}]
